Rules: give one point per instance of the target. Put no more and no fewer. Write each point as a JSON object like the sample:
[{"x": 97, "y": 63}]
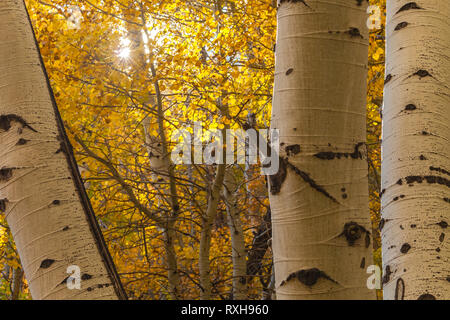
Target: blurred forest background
[{"x": 125, "y": 74}]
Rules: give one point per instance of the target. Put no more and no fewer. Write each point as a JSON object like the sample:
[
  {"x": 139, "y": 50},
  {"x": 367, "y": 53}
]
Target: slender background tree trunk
[
  {"x": 45, "y": 203},
  {"x": 319, "y": 197},
  {"x": 238, "y": 254},
  {"x": 415, "y": 151}
]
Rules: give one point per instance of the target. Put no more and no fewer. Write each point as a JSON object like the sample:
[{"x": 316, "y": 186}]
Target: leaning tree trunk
[
  {"x": 41, "y": 191},
  {"x": 416, "y": 153},
  {"x": 319, "y": 197}
]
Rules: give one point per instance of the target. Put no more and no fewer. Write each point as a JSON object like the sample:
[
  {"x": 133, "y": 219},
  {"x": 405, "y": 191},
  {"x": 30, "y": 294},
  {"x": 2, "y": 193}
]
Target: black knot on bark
[
  {"x": 353, "y": 231},
  {"x": 405, "y": 248}
]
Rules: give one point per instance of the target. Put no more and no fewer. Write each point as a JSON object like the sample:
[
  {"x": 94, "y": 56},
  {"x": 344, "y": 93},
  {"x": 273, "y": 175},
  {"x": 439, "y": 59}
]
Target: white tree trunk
[
  {"x": 415, "y": 151},
  {"x": 238, "y": 254},
  {"x": 319, "y": 197},
  {"x": 45, "y": 203}
]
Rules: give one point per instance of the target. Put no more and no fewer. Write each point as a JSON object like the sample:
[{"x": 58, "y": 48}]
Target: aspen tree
[
  {"x": 415, "y": 151},
  {"x": 319, "y": 197},
  {"x": 46, "y": 206}
]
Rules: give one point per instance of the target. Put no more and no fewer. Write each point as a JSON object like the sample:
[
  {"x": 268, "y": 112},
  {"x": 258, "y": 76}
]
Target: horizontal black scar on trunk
[
  {"x": 308, "y": 277},
  {"x": 440, "y": 170},
  {"x": 409, "y": 6},
  {"x": 45, "y": 264},
  {"x": 294, "y": 1},
  {"x": 421, "y": 74},
  {"x": 401, "y": 25},
  {"x": 410, "y": 180},
  {"x": 329, "y": 155},
  {"x": 5, "y": 122}
]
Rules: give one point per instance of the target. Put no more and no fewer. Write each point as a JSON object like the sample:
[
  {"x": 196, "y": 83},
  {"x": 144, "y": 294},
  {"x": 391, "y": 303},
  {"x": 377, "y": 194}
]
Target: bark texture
[
  {"x": 230, "y": 190},
  {"x": 415, "y": 151},
  {"x": 45, "y": 203},
  {"x": 206, "y": 233},
  {"x": 319, "y": 197}
]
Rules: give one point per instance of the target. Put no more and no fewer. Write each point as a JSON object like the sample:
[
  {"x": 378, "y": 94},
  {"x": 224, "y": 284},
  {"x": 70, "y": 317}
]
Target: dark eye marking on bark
[
  {"x": 401, "y": 25},
  {"x": 382, "y": 192},
  {"x": 354, "y": 32},
  {"x": 410, "y": 107},
  {"x": 426, "y": 296},
  {"x": 6, "y": 174},
  {"x": 363, "y": 263},
  {"x": 308, "y": 277},
  {"x": 3, "y": 204},
  {"x": 329, "y": 155},
  {"x": 305, "y": 176},
  {"x": 388, "y": 78},
  {"x": 443, "y": 224},
  {"x": 405, "y": 248},
  {"x": 442, "y": 237},
  {"x": 422, "y": 74},
  {"x": 387, "y": 274},
  {"x": 447, "y": 200},
  {"x": 86, "y": 276},
  {"x": 56, "y": 202},
  {"x": 422, "y": 157},
  {"x": 400, "y": 289},
  {"x": 21, "y": 142},
  {"x": 409, "y": 6},
  {"x": 5, "y": 122},
  {"x": 293, "y": 149},
  {"x": 46, "y": 263},
  {"x": 289, "y": 71},
  {"x": 65, "y": 228},
  {"x": 353, "y": 231}
]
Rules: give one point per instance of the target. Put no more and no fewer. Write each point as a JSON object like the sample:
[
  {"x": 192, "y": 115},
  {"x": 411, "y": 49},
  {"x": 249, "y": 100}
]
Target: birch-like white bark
[
  {"x": 319, "y": 198},
  {"x": 46, "y": 207},
  {"x": 416, "y": 151}
]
